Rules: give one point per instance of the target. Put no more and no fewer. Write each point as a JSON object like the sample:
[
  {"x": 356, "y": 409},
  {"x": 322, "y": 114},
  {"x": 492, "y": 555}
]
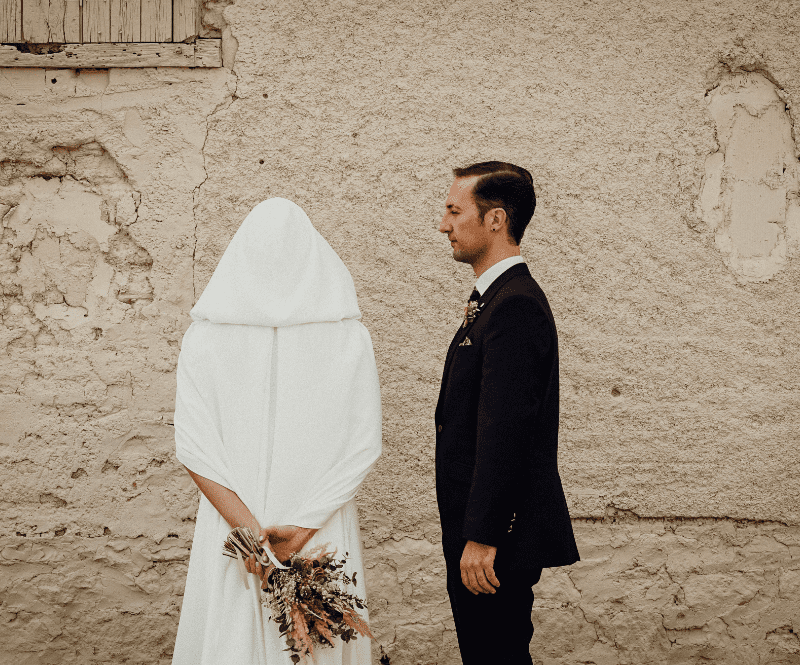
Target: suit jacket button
[{"x": 440, "y": 428}]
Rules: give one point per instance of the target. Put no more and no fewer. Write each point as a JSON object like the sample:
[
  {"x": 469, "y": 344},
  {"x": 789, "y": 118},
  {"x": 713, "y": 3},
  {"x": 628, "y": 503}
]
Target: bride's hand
[
  {"x": 255, "y": 568},
  {"x": 283, "y": 540},
  {"x": 252, "y": 566}
]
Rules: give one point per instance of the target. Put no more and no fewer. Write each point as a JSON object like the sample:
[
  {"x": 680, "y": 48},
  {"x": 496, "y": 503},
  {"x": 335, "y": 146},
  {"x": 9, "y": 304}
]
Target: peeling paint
[{"x": 751, "y": 185}]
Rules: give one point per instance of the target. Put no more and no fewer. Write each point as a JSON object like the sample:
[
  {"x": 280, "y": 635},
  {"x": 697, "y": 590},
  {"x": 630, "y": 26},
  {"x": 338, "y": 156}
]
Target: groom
[{"x": 502, "y": 509}]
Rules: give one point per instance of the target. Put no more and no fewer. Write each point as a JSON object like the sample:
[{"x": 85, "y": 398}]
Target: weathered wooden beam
[
  {"x": 126, "y": 20},
  {"x": 203, "y": 53},
  {"x": 208, "y": 53},
  {"x": 185, "y": 19},
  {"x": 11, "y": 21},
  {"x": 156, "y": 21}
]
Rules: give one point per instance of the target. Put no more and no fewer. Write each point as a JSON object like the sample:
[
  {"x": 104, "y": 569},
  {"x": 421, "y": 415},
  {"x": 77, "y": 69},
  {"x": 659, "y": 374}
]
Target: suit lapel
[{"x": 461, "y": 333}]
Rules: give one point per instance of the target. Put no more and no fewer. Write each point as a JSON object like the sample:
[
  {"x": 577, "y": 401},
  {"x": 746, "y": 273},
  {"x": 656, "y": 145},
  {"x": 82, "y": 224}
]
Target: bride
[{"x": 278, "y": 421}]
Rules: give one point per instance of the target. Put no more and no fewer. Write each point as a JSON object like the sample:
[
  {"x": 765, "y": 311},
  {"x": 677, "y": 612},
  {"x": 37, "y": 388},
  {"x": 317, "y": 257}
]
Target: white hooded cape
[{"x": 277, "y": 400}]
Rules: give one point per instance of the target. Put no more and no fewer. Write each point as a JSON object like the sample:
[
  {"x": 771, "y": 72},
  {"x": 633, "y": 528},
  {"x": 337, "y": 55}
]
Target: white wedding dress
[{"x": 277, "y": 400}]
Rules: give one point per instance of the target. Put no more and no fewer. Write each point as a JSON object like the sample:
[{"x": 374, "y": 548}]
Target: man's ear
[{"x": 496, "y": 218}]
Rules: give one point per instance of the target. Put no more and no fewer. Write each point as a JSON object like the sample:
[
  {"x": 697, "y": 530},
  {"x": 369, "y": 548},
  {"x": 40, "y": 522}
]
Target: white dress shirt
[{"x": 486, "y": 279}]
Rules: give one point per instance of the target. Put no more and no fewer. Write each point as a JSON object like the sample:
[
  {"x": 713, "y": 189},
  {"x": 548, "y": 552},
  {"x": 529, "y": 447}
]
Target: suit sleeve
[{"x": 516, "y": 357}]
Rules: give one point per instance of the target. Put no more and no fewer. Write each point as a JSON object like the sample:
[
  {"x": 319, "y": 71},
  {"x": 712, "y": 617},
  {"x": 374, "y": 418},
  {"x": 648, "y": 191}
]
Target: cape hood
[{"x": 278, "y": 271}]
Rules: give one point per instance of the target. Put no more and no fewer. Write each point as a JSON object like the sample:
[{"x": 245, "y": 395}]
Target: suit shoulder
[
  {"x": 520, "y": 289},
  {"x": 519, "y": 315}
]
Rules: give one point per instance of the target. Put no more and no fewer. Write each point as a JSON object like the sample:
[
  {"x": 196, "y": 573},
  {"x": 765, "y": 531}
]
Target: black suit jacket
[{"x": 497, "y": 431}]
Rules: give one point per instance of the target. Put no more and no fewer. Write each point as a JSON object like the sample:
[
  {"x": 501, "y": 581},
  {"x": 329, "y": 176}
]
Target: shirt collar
[{"x": 486, "y": 279}]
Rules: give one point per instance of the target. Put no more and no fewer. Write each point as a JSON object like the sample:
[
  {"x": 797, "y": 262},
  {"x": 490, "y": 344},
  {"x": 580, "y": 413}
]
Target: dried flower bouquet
[{"x": 306, "y": 596}]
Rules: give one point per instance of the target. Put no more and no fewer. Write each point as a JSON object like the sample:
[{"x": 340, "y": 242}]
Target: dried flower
[
  {"x": 471, "y": 312},
  {"x": 307, "y": 599}
]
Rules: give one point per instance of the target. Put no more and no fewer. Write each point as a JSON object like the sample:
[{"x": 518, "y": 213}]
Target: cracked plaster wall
[{"x": 121, "y": 188}]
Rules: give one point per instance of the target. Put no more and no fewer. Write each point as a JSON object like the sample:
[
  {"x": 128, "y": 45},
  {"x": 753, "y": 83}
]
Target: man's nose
[{"x": 444, "y": 227}]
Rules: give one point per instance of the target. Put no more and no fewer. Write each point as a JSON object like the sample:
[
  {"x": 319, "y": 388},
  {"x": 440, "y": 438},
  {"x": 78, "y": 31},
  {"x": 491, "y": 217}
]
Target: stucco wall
[{"x": 676, "y": 299}]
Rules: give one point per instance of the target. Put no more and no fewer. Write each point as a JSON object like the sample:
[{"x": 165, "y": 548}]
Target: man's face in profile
[{"x": 462, "y": 222}]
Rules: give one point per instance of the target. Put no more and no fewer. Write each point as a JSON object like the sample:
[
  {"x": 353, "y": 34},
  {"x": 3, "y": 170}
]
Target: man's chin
[{"x": 461, "y": 257}]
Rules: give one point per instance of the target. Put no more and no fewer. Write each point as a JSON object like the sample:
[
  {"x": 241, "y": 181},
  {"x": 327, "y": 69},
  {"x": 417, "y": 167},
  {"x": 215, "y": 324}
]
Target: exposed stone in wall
[
  {"x": 752, "y": 182},
  {"x": 213, "y": 20}
]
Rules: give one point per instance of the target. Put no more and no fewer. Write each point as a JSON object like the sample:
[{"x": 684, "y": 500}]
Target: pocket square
[{"x": 466, "y": 342}]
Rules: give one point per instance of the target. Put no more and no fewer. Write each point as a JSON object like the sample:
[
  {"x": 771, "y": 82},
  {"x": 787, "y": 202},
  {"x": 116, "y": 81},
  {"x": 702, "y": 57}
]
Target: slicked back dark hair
[{"x": 506, "y": 186}]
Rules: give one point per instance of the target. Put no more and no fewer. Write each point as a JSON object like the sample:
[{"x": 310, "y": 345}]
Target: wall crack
[{"x": 229, "y": 48}]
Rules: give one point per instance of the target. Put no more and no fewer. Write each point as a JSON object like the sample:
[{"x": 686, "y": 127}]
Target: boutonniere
[{"x": 471, "y": 312}]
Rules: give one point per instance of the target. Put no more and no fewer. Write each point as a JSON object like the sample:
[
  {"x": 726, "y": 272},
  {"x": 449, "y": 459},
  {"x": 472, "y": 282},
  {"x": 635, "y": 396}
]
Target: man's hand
[{"x": 477, "y": 568}]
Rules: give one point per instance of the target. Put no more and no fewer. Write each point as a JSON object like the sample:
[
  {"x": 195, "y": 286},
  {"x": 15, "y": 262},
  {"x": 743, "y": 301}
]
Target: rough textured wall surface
[
  {"x": 98, "y": 178},
  {"x": 666, "y": 238}
]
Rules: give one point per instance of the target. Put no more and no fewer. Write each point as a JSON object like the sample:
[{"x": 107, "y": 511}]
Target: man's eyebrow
[{"x": 451, "y": 205}]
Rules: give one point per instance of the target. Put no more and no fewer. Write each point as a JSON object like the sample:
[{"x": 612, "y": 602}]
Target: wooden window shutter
[
  {"x": 98, "y": 21},
  {"x": 136, "y": 33},
  {"x": 10, "y": 21}
]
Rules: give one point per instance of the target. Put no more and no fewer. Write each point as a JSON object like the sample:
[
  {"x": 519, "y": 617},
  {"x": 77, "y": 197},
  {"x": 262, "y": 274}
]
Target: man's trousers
[{"x": 492, "y": 628}]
